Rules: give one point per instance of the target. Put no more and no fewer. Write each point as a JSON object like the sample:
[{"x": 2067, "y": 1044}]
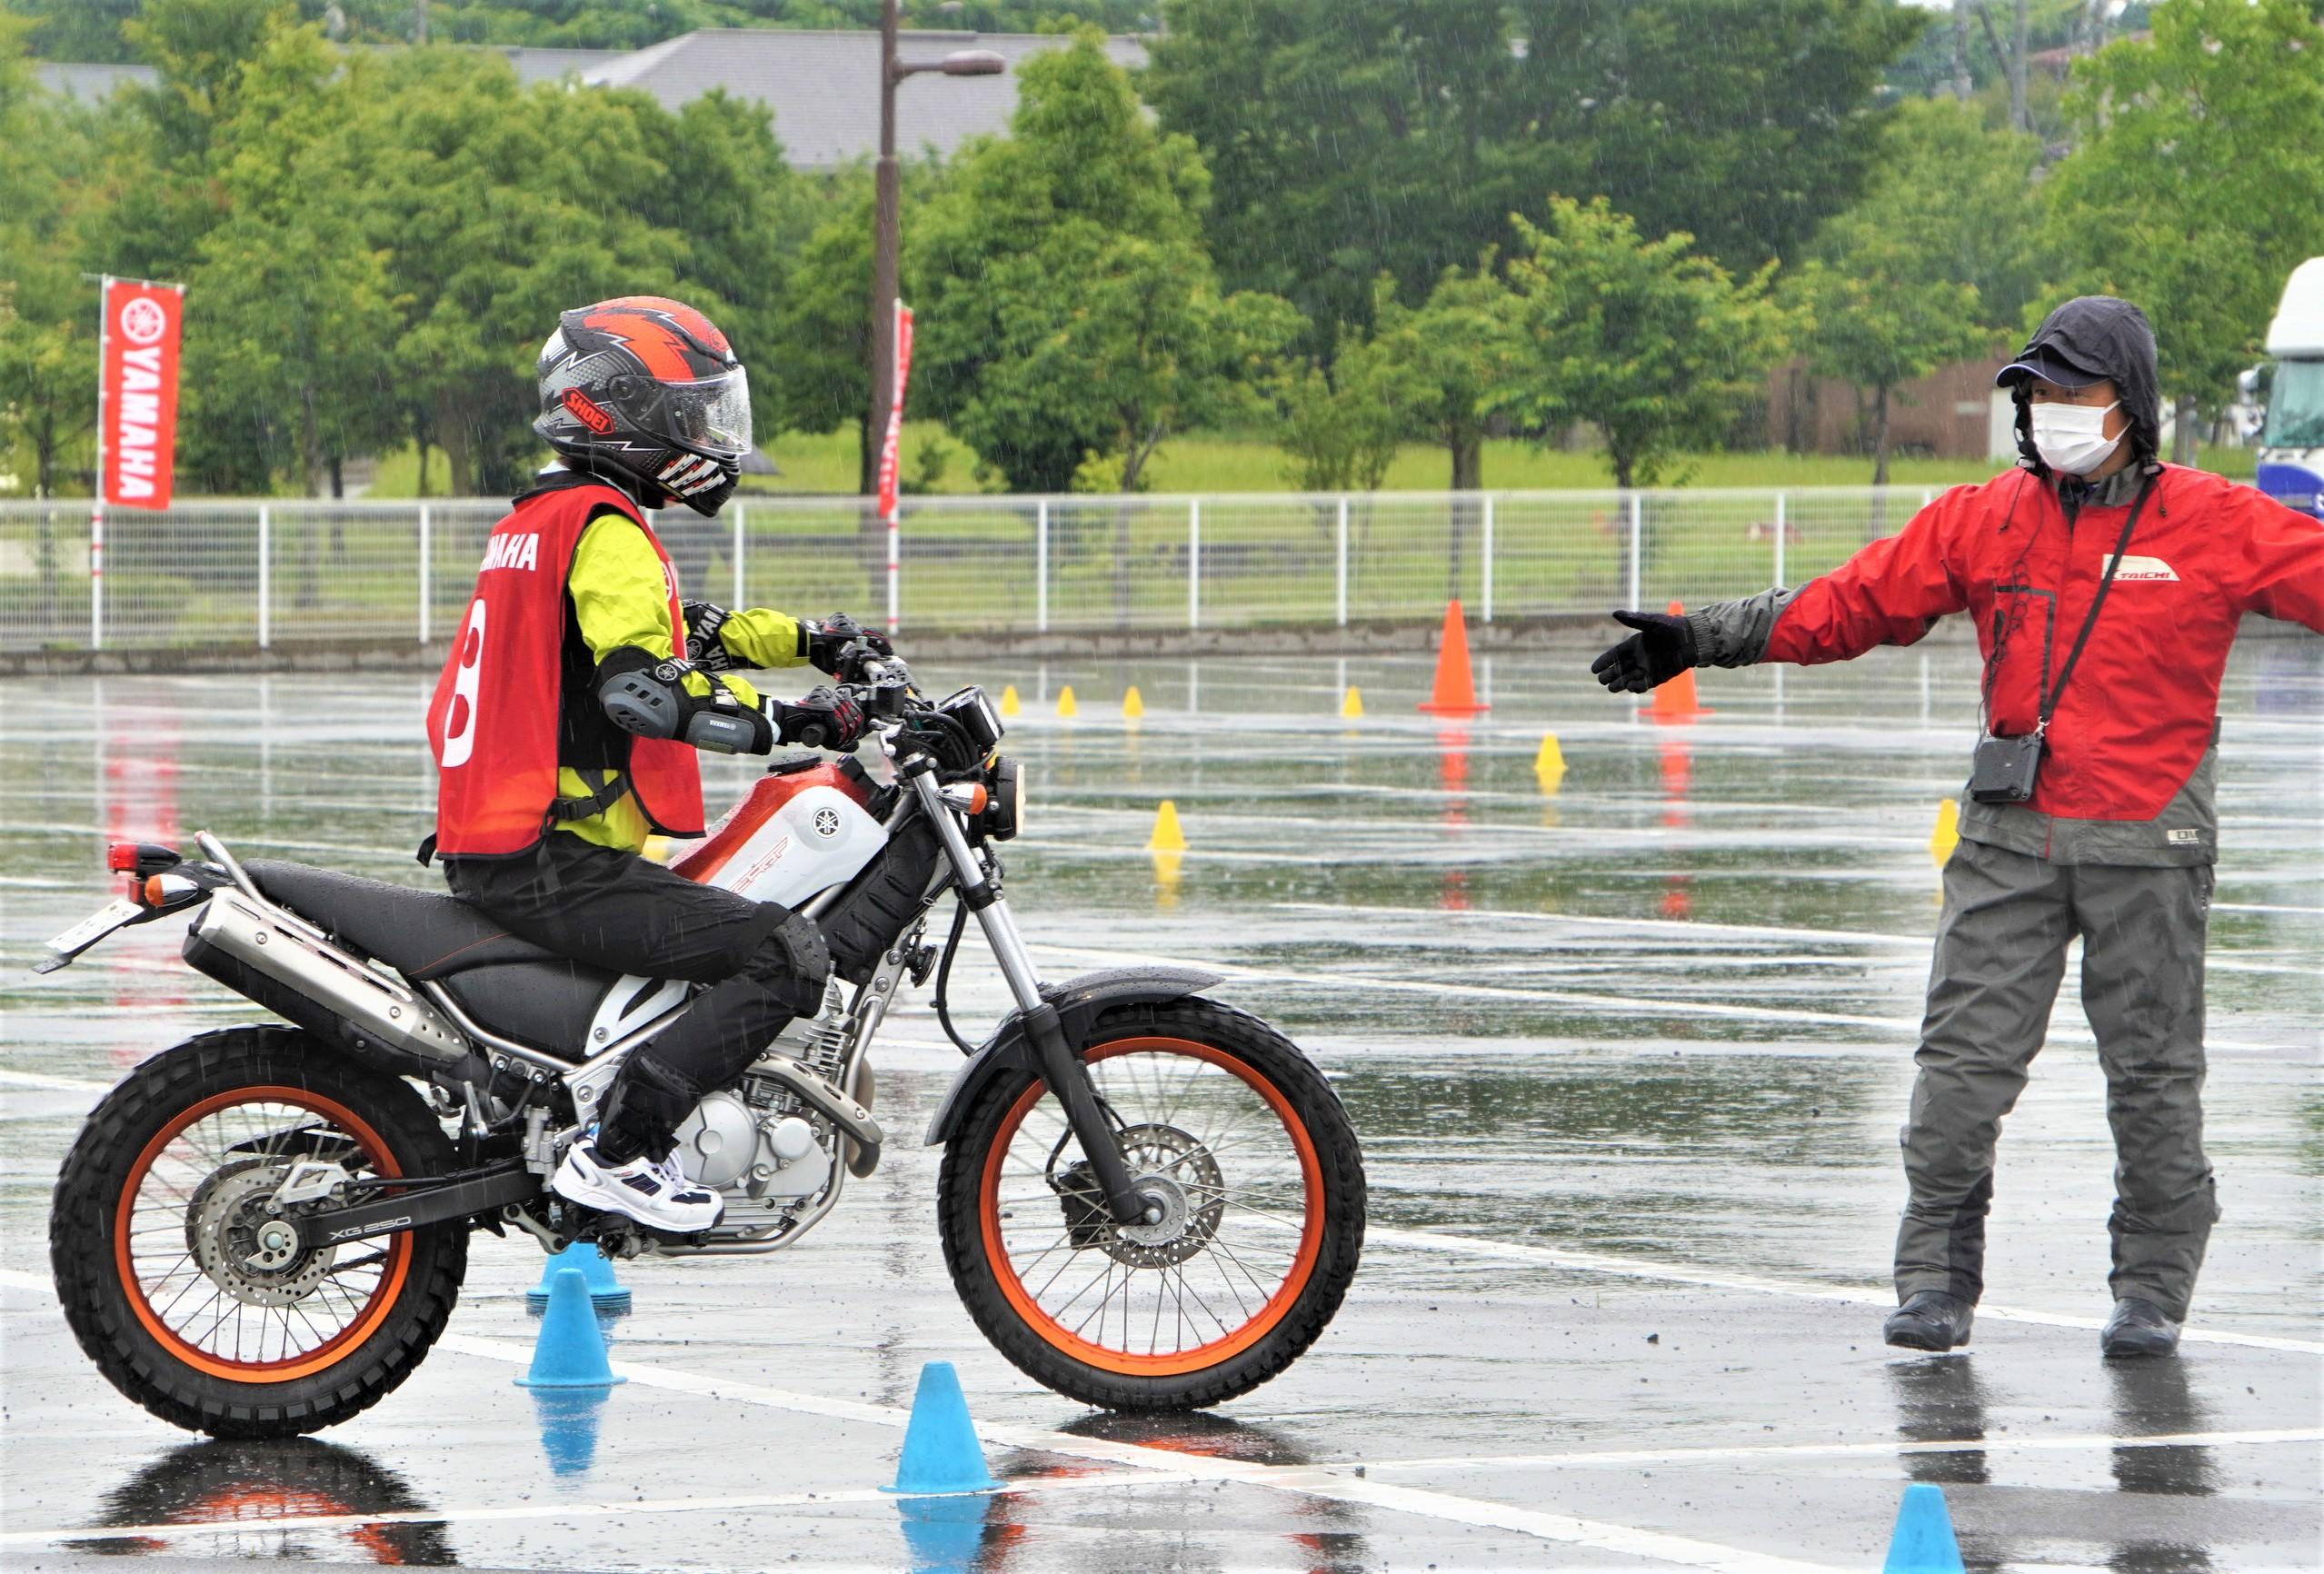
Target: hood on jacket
[{"x": 2098, "y": 336}]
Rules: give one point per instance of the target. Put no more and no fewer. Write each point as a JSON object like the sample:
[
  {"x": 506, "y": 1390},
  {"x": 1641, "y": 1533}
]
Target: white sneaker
[{"x": 655, "y": 1192}]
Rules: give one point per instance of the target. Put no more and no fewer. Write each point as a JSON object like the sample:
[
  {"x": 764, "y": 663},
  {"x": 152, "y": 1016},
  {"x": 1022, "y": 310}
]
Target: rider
[{"x": 566, "y": 724}]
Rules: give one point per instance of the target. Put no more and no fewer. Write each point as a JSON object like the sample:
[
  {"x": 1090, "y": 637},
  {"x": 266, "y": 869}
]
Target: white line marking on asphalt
[
  {"x": 1879, "y": 1451},
  {"x": 1711, "y": 1279},
  {"x": 1911, "y": 942},
  {"x": 1582, "y": 999},
  {"x": 1300, "y": 1481},
  {"x": 269, "y": 1524},
  {"x": 41, "y": 1080}
]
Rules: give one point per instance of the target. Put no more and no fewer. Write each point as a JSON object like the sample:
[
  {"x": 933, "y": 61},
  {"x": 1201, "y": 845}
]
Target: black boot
[
  {"x": 2137, "y": 1328},
  {"x": 1930, "y": 1320}
]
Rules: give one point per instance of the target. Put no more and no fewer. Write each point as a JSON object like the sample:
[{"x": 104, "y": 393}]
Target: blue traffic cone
[
  {"x": 605, "y": 1293},
  {"x": 569, "y": 1419},
  {"x": 1923, "y": 1543},
  {"x": 571, "y": 1350},
  {"x": 941, "y": 1453}
]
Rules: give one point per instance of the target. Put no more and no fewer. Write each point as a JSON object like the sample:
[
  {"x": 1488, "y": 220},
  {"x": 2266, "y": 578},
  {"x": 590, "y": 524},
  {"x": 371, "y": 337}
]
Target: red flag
[
  {"x": 138, "y": 390},
  {"x": 895, "y": 438}
]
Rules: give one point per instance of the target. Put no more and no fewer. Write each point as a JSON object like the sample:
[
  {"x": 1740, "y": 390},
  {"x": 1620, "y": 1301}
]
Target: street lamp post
[{"x": 885, "y": 239}]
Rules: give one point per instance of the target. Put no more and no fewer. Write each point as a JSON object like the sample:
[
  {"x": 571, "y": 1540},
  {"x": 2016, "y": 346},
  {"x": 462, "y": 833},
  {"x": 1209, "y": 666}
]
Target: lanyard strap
[{"x": 2052, "y": 695}]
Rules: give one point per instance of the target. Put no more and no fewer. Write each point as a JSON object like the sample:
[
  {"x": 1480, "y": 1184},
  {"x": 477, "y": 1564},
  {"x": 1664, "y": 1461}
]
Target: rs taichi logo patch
[{"x": 2146, "y": 568}]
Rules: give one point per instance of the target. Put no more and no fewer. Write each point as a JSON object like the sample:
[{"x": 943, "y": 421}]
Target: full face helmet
[{"x": 648, "y": 392}]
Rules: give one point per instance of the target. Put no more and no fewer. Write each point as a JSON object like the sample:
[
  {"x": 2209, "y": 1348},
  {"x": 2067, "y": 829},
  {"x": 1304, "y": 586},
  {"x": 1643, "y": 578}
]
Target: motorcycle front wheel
[{"x": 1264, "y": 1215}]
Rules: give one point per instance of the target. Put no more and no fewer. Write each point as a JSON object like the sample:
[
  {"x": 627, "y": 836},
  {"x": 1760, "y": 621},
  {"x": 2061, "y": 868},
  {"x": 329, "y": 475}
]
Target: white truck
[{"x": 2292, "y": 444}]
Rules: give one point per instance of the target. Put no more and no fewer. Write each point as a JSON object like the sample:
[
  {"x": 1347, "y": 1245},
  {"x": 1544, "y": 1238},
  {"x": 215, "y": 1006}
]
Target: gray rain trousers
[{"x": 2000, "y": 956}]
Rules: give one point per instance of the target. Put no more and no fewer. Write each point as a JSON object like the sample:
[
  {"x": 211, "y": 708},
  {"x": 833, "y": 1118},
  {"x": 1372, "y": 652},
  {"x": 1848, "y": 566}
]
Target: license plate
[{"x": 89, "y": 931}]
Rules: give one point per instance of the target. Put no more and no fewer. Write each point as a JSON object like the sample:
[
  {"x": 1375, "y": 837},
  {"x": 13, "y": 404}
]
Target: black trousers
[{"x": 765, "y": 965}]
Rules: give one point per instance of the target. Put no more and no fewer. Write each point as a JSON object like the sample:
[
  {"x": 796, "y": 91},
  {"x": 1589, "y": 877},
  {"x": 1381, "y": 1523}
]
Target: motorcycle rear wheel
[
  {"x": 177, "y": 1283},
  {"x": 1263, "y": 1234}
]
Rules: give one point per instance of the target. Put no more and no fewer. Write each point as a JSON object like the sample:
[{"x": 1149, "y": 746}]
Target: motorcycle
[{"x": 1147, "y": 1199}]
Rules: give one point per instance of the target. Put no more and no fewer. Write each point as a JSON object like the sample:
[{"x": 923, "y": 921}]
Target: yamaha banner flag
[{"x": 138, "y": 390}]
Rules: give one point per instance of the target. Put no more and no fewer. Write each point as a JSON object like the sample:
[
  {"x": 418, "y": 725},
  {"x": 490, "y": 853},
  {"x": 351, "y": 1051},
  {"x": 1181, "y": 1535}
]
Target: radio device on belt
[{"x": 2003, "y": 770}]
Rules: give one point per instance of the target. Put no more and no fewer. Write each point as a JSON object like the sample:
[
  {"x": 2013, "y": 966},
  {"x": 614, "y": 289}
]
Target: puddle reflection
[{"x": 239, "y": 1483}]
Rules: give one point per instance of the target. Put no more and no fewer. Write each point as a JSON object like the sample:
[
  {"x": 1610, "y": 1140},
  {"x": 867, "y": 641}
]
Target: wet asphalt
[{"x": 1628, "y": 1050}]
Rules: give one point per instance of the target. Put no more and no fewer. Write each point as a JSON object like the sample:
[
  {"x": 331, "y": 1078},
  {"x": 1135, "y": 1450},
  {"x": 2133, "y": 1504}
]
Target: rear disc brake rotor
[{"x": 258, "y": 1258}]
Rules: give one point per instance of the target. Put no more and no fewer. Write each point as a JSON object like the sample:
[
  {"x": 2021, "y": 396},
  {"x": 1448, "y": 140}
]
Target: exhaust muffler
[{"x": 290, "y": 969}]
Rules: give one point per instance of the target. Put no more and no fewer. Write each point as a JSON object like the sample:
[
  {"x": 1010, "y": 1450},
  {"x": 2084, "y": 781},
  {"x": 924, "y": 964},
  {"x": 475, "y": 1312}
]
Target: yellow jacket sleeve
[
  {"x": 619, "y": 598},
  {"x": 760, "y": 638}
]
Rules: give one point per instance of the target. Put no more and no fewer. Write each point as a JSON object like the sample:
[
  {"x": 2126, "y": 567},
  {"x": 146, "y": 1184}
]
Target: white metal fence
[{"x": 285, "y": 571}]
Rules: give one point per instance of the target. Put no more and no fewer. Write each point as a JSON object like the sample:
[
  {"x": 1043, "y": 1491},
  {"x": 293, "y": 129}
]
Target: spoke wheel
[
  {"x": 225, "y": 1287},
  {"x": 1254, "y": 1171},
  {"x": 201, "y": 1303}
]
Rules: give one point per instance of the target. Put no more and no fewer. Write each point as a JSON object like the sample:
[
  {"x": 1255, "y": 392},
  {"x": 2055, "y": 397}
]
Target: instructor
[{"x": 2106, "y": 589}]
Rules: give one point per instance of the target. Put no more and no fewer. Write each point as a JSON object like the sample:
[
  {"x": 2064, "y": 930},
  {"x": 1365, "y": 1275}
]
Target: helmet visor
[{"x": 712, "y": 415}]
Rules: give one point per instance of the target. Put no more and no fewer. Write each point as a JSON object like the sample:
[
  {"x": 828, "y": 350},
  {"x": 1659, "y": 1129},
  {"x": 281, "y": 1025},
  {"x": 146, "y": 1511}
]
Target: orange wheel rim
[
  {"x": 1274, "y": 1271},
  {"x": 310, "y": 1339}
]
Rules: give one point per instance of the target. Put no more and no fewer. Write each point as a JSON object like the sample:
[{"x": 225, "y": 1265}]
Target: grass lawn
[{"x": 825, "y": 464}]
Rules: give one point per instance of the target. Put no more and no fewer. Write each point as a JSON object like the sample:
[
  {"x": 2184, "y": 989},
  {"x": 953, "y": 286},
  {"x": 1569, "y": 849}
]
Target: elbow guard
[{"x": 649, "y": 698}]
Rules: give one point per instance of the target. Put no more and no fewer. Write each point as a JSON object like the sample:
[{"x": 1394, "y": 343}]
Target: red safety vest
[{"x": 493, "y": 725}]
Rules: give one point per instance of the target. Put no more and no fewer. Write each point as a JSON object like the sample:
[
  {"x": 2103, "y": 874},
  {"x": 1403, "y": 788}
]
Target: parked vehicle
[{"x": 2291, "y": 442}]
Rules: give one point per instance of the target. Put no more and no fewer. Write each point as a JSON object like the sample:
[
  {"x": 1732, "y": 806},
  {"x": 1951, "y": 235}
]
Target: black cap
[{"x": 2045, "y": 362}]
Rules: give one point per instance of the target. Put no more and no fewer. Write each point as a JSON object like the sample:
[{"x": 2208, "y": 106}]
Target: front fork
[{"x": 1067, "y": 1077}]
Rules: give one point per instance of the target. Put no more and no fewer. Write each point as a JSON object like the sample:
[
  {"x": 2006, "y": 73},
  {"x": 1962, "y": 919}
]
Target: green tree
[
  {"x": 2198, "y": 182},
  {"x": 1398, "y": 136},
  {"x": 498, "y": 206},
  {"x": 290, "y": 312},
  {"x": 1962, "y": 199},
  {"x": 1655, "y": 345},
  {"x": 1337, "y": 424},
  {"x": 1874, "y": 320},
  {"x": 1069, "y": 308},
  {"x": 47, "y": 310},
  {"x": 1446, "y": 359}
]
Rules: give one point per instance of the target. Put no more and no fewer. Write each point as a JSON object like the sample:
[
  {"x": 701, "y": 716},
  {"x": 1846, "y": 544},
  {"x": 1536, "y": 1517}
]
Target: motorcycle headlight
[
  {"x": 1004, "y": 810},
  {"x": 974, "y": 712}
]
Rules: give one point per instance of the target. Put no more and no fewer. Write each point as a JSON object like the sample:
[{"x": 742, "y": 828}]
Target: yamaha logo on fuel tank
[{"x": 826, "y": 821}]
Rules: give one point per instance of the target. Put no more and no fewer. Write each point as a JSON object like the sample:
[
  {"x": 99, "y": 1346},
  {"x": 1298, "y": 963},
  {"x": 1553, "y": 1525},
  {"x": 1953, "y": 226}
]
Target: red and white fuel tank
[{"x": 793, "y": 834}]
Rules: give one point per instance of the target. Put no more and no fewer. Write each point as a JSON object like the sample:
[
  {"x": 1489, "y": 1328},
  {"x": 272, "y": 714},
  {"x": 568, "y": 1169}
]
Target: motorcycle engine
[{"x": 726, "y": 1144}]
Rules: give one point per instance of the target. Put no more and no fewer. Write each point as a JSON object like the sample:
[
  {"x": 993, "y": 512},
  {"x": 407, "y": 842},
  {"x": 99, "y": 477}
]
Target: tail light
[{"x": 140, "y": 858}]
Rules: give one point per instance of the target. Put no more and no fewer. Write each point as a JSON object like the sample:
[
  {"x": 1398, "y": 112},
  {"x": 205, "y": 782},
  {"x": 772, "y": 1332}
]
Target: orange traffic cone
[
  {"x": 1675, "y": 700},
  {"x": 1454, "y": 693}
]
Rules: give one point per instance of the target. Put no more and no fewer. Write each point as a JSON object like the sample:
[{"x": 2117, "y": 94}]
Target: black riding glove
[
  {"x": 1662, "y": 647},
  {"x": 824, "y": 641},
  {"x": 704, "y": 648},
  {"x": 820, "y": 718}
]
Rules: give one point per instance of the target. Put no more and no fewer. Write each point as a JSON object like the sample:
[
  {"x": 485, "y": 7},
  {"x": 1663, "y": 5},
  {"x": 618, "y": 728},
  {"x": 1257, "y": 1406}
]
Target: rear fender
[{"x": 1080, "y": 1001}]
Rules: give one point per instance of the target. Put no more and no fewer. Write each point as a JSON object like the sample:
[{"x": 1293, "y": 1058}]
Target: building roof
[
  {"x": 823, "y": 87},
  {"x": 91, "y": 84}
]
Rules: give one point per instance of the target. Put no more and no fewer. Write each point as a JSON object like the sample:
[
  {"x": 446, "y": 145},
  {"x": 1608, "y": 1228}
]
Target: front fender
[{"x": 1078, "y": 1001}]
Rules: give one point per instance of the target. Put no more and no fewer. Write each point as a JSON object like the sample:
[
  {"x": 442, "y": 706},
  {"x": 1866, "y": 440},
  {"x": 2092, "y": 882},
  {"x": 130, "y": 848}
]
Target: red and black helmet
[{"x": 649, "y": 390}]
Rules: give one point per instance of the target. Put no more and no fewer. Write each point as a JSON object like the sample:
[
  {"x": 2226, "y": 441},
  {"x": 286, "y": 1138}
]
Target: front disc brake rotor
[
  {"x": 258, "y": 1258},
  {"x": 1173, "y": 1169}
]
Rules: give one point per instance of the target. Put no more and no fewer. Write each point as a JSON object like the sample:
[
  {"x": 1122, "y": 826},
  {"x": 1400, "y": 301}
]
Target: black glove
[
  {"x": 833, "y": 635},
  {"x": 821, "y": 719},
  {"x": 1662, "y": 647},
  {"x": 704, "y": 648}
]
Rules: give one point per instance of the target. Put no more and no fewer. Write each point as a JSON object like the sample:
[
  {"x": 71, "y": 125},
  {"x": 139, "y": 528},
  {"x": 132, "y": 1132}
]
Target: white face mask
[{"x": 2072, "y": 438}]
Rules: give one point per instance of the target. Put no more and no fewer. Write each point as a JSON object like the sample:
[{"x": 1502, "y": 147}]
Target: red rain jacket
[{"x": 2140, "y": 712}]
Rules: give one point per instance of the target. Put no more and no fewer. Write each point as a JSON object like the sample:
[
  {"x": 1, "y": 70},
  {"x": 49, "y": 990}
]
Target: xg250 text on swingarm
[{"x": 1147, "y": 1199}]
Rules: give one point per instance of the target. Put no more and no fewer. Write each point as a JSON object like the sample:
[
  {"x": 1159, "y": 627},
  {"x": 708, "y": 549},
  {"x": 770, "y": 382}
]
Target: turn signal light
[{"x": 155, "y": 896}]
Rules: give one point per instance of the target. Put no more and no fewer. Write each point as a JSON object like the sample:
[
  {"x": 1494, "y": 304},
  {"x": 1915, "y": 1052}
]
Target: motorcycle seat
[
  {"x": 421, "y": 934},
  {"x": 538, "y": 997}
]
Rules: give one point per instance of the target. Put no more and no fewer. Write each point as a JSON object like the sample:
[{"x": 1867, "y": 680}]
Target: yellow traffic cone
[
  {"x": 1549, "y": 764},
  {"x": 1132, "y": 705},
  {"x": 1065, "y": 705},
  {"x": 1351, "y": 703},
  {"x": 1946, "y": 835},
  {"x": 1009, "y": 704},
  {"x": 1167, "y": 837}
]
